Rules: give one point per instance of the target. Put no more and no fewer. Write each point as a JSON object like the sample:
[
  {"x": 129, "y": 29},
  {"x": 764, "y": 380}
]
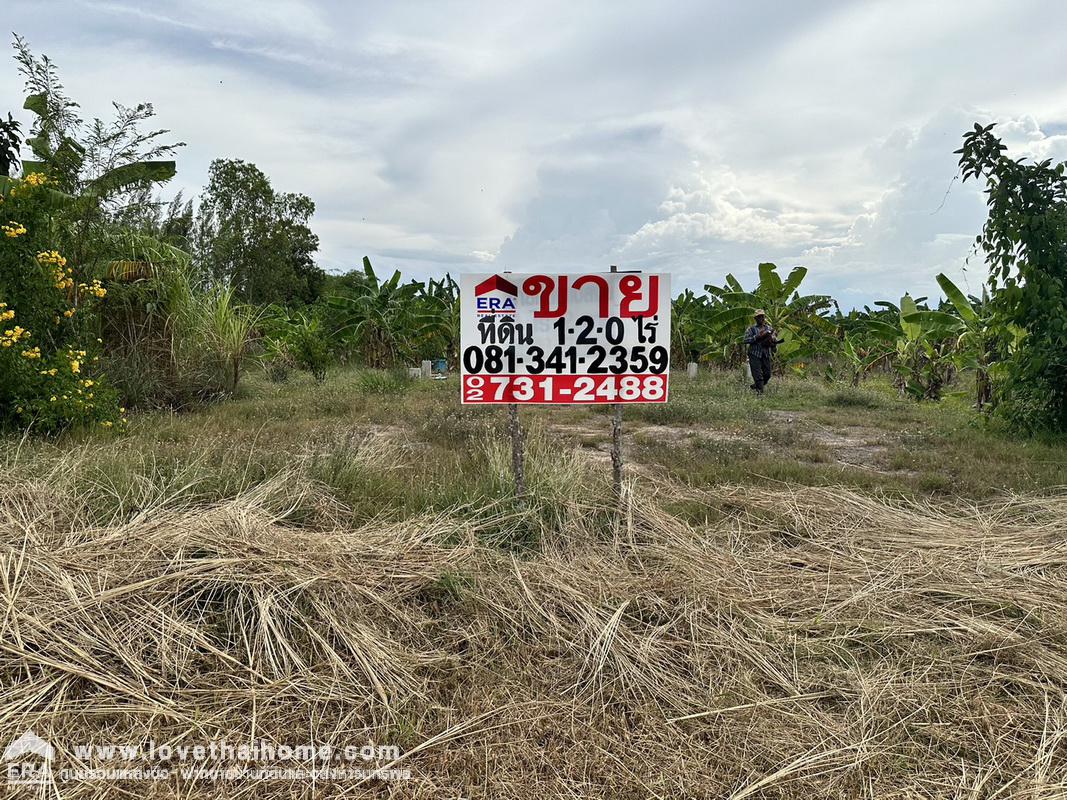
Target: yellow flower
[
  {"x": 106, "y": 423},
  {"x": 52, "y": 399},
  {"x": 75, "y": 366},
  {"x": 13, "y": 229},
  {"x": 35, "y": 179},
  {"x": 33, "y": 353},
  {"x": 69, "y": 313},
  {"x": 51, "y": 257}
]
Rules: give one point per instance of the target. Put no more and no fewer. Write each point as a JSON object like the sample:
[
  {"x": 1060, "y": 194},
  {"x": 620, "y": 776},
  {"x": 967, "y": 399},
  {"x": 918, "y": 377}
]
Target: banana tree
[
  {"x": 375, "y": 319},
  {"x": 976, "y": 338},
  {"x": 799, "y": 319},
  {"x": 925, "y": 349},
  {"x": 101, "y": 166},
  {"x": 688, "y": 312},
  {"x": 437, "y": 319},
  {"x": 867, "y": 345},
  {"x": 980, "y": 339}
]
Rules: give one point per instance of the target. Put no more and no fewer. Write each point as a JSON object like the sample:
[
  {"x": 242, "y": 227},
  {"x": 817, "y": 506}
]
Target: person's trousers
[{"x": 761, "y": 370}]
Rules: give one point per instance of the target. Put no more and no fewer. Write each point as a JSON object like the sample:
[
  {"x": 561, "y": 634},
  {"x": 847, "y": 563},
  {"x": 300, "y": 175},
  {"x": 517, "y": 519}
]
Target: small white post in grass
[
  {"x": 691, "y": 370},
  {"x": 427, "y": 369}
]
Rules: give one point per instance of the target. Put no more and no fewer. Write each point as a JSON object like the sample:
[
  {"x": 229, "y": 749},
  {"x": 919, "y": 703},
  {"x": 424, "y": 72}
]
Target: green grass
[{"x": 385, "y": 445}]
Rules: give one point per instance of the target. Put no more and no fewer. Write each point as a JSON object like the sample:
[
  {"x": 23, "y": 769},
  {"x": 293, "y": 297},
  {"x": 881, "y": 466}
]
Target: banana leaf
[
  {"x": 123, "y": 177},
  {"x": 881, "y": 329},
  {"x": 934, "y": 321},
  {"x": 958, "y": 299},
  {"x": 769, "y": 282},
  {"x": 912, "y": 330},
  {"x": 735, "y": 299},
  {"x": 727, "y": 318},
  {"x": 793, "y": 281}
]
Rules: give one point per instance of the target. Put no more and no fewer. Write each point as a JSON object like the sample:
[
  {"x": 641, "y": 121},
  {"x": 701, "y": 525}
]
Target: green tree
[
  {"x": 377, "y": 320},
  {"x": 255, "y": 239},
  {"x": 1024, "y": 240},
  {"x": 799, "y": 319},
  {"x": 924, "y": 351},
  {"x": 106, "y": 164},
  {"x": 688, "y": 312}
]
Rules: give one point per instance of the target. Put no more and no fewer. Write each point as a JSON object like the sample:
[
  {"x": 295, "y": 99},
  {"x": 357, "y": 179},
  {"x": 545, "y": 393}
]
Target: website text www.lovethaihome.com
[{"x": 32, "y": 760}]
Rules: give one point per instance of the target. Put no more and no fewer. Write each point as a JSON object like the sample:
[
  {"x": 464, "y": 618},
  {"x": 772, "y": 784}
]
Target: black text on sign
[{"x": 586, "y": 338}]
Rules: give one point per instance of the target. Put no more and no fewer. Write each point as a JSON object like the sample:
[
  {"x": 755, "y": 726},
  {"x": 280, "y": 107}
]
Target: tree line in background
[{"x": 110, "y": 298}]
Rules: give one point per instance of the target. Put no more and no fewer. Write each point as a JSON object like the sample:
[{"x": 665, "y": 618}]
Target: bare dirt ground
[{"x": 851, "y": 445}]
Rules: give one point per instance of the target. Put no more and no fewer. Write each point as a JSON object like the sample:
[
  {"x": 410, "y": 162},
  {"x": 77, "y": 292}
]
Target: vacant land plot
[{"x": 818, "y": 593}]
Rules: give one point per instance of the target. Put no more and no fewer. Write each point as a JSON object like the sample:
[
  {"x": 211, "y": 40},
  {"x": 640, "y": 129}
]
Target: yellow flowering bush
[{"x": 49, "y": 354}]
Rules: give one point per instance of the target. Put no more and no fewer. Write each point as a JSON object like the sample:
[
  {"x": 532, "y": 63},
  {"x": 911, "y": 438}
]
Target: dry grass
[{"x": 801, "y": 643}]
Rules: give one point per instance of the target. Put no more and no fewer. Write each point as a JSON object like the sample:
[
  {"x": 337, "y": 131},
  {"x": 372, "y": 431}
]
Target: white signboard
[{"x": 585, "y": 338}]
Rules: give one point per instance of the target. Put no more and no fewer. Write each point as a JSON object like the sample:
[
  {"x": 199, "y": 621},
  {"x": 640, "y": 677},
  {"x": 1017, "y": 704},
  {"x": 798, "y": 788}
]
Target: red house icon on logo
[{"x": 496, "y": 284}]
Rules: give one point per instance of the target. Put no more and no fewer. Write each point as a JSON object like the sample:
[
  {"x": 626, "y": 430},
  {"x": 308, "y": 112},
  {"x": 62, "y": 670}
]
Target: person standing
[{"x": 762, "y": 341}]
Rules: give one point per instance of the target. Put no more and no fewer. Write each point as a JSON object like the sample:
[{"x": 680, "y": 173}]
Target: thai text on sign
[{"x": 576, "y": 338}]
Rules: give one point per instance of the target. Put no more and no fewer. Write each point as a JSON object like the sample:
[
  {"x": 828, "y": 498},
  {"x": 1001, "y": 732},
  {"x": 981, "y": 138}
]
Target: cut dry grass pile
[{"x": 805, "y": 643}]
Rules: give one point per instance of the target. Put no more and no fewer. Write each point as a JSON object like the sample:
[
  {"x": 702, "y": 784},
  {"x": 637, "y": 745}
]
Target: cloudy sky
[{"x": 697, "y": 138}]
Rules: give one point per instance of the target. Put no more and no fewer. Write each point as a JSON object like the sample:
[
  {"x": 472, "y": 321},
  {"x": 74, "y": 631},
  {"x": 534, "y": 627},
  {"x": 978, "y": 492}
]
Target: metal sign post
[
  {"x": 518, "y": 455},
  {"x": 616, "y": 449},
  {"x": 616, "y": 438}
]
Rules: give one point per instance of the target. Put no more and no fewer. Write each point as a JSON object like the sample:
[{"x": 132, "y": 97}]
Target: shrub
[
  {"x": 298, "y": 340},
  {"x": 278, "y": 364},
  {"x": 49, "y": 352},
  {"x": 851, "y": 397},
  {"x": 308, "y": 346},
  {"x": 382, "y": 381}
]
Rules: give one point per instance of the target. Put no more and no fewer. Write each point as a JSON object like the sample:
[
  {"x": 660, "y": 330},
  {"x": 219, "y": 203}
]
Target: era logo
[
  {"x": 495, "y": 295},
  {"x": 29, "y": 760}
]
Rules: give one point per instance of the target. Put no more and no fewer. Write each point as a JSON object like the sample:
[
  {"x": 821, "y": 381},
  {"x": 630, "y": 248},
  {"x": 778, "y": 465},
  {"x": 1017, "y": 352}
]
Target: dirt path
[{"x": 850, "y": 445}]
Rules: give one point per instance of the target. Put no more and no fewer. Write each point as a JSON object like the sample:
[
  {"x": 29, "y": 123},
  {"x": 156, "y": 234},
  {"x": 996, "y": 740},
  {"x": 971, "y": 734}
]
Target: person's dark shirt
[{"x": 756, "y": 346}]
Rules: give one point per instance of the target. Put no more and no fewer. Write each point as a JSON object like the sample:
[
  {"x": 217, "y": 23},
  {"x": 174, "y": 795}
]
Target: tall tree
[
  {"x": 255, "y": 239},
  {"x": 1025, "y": 244}
]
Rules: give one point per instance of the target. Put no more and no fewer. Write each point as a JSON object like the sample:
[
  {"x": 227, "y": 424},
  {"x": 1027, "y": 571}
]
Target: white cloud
[
  {"x": 715, "y": 208},
  {"x": 698, "y": 141}
]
